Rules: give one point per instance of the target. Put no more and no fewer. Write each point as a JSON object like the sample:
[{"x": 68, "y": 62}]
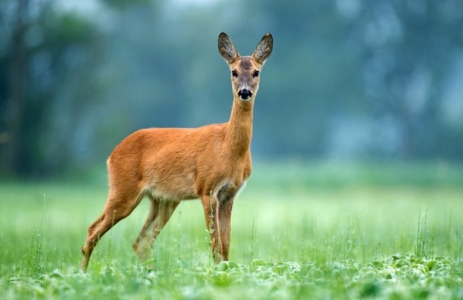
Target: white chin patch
[{"x": 243, "y": 99}]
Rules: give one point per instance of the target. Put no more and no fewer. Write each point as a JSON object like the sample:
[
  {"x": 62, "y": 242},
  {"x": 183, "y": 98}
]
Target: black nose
[{"x": 244, "y": 94}]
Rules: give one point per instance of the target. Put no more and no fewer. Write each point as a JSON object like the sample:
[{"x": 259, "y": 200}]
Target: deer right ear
[
  {"x": 227, "y": 48},
  {"x": 264, "y": 48}
]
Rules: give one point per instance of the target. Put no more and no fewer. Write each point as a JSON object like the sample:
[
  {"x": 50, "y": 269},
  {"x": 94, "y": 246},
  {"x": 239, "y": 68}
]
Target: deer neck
[{"x": 239, "y": 132}]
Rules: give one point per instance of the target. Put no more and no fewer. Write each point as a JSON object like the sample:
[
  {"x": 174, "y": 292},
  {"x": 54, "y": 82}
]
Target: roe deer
[{"x": 173, "y": 164}]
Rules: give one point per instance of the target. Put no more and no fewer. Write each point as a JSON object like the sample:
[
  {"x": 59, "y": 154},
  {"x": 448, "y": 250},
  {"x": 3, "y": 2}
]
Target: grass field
[{"x": 299, "y": 231}]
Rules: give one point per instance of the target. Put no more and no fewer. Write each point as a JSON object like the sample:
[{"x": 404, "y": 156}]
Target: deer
[{"x": 169, "y": 165}]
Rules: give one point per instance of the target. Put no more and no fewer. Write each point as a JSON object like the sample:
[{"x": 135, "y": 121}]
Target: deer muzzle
[{"x": 245, "y": 94}]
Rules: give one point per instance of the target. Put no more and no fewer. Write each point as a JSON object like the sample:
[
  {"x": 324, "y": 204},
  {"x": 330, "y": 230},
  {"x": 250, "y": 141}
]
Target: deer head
[{"x": 245, "y": 70}]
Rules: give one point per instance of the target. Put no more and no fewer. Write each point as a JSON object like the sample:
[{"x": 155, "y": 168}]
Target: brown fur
[{"x": 169, "y": 165}]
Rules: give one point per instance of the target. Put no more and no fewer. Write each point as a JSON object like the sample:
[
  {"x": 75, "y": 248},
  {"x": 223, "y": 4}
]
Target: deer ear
[
  {"x": 264, "y": 48},
  {"x": 227, "y": 48}
]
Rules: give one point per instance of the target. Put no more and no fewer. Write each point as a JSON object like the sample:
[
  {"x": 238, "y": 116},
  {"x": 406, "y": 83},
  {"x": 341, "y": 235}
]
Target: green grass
[{"x": 305, "y": 231}]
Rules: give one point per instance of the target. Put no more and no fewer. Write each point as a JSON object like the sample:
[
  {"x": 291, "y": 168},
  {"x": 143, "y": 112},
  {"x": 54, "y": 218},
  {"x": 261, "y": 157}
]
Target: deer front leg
[
  {"x": 218, "y": 219},
  {"x": 224, "y": 211},
  {"x": 212, "y": 224}
]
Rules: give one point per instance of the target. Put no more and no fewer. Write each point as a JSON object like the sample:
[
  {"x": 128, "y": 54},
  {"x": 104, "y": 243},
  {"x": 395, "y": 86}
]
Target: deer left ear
[
  {"x": 227, "y": 49},
  {"x": 264, "y": 49}
]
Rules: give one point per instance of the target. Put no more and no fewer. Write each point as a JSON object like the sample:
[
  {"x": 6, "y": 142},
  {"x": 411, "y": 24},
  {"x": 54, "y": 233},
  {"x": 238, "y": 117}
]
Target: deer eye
[
  {"x": 255, "y": 74},
  {"x": 234, "y": 73}
]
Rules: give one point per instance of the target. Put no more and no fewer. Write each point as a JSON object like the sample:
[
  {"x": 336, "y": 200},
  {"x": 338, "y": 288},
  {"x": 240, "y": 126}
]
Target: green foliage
[
  {"x": 393, "y": 277},
  {"x": 338, "y": 174},
  {"x": 289, "y": 241}
]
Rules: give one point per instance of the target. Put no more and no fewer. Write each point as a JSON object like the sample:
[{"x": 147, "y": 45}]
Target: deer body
[
  {"x": 178, "y": 179},
  {"x": 169, "y": 165}
]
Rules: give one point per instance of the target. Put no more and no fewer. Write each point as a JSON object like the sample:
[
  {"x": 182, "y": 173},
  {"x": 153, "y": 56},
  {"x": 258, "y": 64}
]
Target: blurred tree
[
  {"x": 350, "y": 78},
  {"x": 43, "y": 46},
  {"x": 313, "y": 80},
  {"x": 14, "y": 96},
  {"x": 378, "y": 64},
  {"x": 408, "y": 52}
]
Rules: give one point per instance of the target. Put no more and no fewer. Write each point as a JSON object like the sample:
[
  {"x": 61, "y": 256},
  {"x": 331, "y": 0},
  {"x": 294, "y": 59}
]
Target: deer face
[
  {"x": 245, "y": 70},
  {"x": 245, "y": 78}
]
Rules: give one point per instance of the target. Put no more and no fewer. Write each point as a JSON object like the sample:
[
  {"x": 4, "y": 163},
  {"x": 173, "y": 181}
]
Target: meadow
[{"x": 299, "y": 231}]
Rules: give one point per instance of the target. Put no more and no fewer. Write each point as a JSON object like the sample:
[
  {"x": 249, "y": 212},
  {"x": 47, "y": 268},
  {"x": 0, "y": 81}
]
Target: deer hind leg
[
  {"x": 159, "y": 215},
  {"x": 117, "y": 208}
]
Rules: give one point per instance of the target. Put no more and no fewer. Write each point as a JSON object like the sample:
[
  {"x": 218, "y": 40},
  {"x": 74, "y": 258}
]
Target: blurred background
[{"x": 348, "y": 80}]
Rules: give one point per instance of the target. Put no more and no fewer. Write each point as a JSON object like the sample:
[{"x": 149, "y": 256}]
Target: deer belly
[{"x": 175, "y": 188}]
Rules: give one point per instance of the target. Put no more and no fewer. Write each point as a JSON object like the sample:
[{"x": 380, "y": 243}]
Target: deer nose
[{"x": 244, "y": 94}]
